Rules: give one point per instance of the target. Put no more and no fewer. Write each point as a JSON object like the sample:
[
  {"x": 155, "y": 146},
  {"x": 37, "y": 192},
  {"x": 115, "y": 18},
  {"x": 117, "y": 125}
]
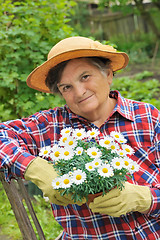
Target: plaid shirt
[{"x": 139, "y": 122}]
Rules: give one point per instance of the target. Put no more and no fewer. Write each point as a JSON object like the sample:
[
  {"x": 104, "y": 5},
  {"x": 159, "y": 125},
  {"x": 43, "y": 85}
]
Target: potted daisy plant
[{"x": 89, "y": 162}]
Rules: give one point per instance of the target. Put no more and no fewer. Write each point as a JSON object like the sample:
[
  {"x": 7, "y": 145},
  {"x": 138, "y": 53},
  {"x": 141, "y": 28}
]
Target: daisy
[
  {"x": 45, "y": 151},
  {"x": 55, "y": 153},
  {"x": 78, "y": 151},
  {"x": 114, "y": 146},
  {"x": 67, "y": 153},
  {"x": 56, "y": 183},
  {"x": 97, "y": 162},
  {"x": 106, "y": 141},
  {"x": 133, "y": 167},
  {"x": 105, "y": 170},
  {"x": 93, "y": 133},
  {"x": 66, "y": 181},
  {"x": 66, "y": 131},
  {"x": 127, "y": 162},
  {"x": 129, "y": 150},
  {"x": 79, "y": 133},
  {"x": 78, "y": 177},
  {"x": 121, "y": 153},
  {"x": 118, "y": 137},
  {"x": 62, "y": 140},
  {"x": 89, "y": 166},
  {"x": 117, "y": 163},
  {"x": 94, "y": 152},
  {"x": 70, "y": 142}
]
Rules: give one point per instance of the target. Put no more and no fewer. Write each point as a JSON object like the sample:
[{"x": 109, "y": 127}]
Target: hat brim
[{"x": 36, "y": 78}]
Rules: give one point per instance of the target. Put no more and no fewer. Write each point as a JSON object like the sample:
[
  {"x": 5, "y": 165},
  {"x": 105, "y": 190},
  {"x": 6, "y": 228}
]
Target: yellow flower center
[
  {"x": 113, "y": 147},
  {"x": 107, "y": 142},
  {"x": 132, "y": 167},
  {"x": 90, "y": 167},
  {"x": 70, "y": 143},
  {"x": 105, "y": 170},
  {"x": 94, "y": 153},
  {"x": 79, "y": 134},
  {"x": 57, "y": 183},
  {"x": 126, "y": 163},
  {"x": 64, "y": 139},
  {"x": 127, "y": 150},
  {"x": 66, "y": 181},
  {"x": 96, "y": 163},
  {"x": 121, "y": 153},
  {"x": 117, "y": 136},
  {"x": 67, "y": 131},
  {"x": 78, "y": 177},
  {"x": 45, "y": 152},
  {"x": 92, "y": 133},
  {"x": 56, "y": 154},
  {"x": 66, "y": 153},
  {"x": 117, "y": 163}
]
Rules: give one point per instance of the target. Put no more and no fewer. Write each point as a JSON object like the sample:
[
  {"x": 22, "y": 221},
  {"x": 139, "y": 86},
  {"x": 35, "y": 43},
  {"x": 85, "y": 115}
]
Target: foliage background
[{"x": 28, "y": 30}]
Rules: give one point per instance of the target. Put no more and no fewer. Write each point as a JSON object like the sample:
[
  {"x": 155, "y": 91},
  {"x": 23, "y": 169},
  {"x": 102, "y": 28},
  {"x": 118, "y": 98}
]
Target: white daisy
[
  {"x": 118, "y": 137},
  {"x": 67, "y": 153},
  {"x": 129, "y": 150},
  {"x": 127, "y": 162},
  {"x": 105, "y": 170},
  {"x": 70, "y": 142},
  {"x": 114, "y": 147},
  {"x": 106, "y": 141},
  {"x": 133, "y": 167},
  {"x": 89, "y": 166},
  {"x": 94, "y": 152},
  {"x": 93, "y": 133},
  {"x": 56, "y": 153},
  {"x": 45, "y": 151},
  {"x": 78, "y": 151},
  {"x": 66, "y": 181},
  {"x": 97, "y": 162},
  {"x": 66, "y": 131},
  {"x": 56, "y": 183},
  {"x": 117, "y": 163},
  {"x": 79, "y": 133},
  {"x": 121, "y": 153},
  {"x": 63, "y": 139},
  {"x": 78, "y": 176}
]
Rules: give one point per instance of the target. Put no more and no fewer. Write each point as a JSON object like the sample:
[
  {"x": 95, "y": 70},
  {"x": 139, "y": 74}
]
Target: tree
[{"x": 28, "y": 30}]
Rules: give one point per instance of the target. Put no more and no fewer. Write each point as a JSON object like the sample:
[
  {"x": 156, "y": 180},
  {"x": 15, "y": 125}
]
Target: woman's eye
[
  {"x": 85, "y": 77},
  {"x": 66, "y": 88}
]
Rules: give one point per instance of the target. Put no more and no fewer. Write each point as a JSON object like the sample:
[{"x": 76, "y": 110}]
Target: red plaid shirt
[{"x": 22, "y": 139}]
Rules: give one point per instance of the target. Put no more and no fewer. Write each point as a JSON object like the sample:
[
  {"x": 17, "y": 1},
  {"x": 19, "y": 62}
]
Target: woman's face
[{"x": 84, "y": 87}]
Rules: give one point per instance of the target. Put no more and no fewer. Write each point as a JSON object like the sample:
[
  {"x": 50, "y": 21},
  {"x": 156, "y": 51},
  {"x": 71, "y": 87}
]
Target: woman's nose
[{"x": 80, "y": 90}]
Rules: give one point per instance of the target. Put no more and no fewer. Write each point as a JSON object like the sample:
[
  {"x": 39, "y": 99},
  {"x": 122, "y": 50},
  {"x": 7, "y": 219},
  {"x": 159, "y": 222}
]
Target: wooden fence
[{"x": 109, "y": 25}]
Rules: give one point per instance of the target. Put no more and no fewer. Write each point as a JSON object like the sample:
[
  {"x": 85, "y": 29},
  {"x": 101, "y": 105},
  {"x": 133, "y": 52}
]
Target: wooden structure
[{"x": 16, "y": 195}]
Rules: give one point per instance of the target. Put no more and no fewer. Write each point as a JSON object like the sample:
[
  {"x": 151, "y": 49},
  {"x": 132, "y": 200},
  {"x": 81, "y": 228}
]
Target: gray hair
[{"x": 55, "y": 73}]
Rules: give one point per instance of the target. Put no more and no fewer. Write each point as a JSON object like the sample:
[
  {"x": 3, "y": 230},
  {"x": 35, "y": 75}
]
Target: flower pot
[{"x": 91, "y": 197}]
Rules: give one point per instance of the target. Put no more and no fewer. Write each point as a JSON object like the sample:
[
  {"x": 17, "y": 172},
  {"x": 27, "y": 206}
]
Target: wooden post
[{"x": 19, "y": 210}]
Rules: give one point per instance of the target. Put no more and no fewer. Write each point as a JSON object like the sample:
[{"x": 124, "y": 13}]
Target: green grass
[{"x": 9, "y": 226}]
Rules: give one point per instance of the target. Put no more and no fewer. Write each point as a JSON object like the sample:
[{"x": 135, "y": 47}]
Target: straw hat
[{"x": 70, "y": 48}]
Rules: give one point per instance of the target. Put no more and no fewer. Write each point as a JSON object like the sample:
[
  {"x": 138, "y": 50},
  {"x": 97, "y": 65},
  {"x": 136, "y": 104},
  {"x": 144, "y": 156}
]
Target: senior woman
[{"x": 81, "y": 70}]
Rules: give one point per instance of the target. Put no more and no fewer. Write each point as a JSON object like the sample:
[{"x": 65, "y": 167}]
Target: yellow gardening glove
[
  {"x": 42, "y": 173},
  {"x": 116, "y": 202}
]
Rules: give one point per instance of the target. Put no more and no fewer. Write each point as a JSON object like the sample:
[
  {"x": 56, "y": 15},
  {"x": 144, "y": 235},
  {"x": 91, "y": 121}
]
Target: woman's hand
[
  {"x": 42, "y": 173},
  {"x": 116, "y": 202}
]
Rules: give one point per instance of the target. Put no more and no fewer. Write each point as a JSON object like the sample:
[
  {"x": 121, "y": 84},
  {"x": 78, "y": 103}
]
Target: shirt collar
[{"x": 122, "y": 107}]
